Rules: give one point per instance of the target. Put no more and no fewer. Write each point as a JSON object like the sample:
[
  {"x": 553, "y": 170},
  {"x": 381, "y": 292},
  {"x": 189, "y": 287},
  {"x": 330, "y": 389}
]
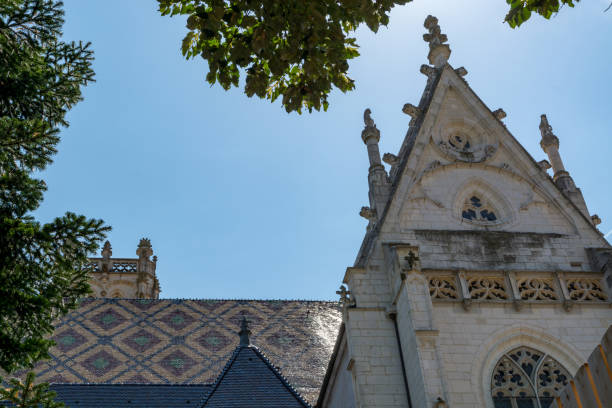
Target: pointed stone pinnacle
[
  {"x": 548, "y": 137},
  {"x": 438, "y": 51},
  {"x": 244, "y": 332}
]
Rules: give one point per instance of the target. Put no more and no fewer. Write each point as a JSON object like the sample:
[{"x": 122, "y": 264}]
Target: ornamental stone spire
[
  {"x": 244, "y": 332},
  {"x": 438, "y": 51},
  {"x": 561, "y": 177},
  {"x": 550, "y": 145},
  {"x": 378, "y": 179},
  {"x": 371, "y": 136}
]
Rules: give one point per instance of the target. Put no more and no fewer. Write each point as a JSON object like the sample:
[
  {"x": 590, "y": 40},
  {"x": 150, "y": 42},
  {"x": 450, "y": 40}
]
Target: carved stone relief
[
  {"x": 490, "y": 288},
  {"x": 536, "y": 289},
  {"x": 443, "y": 287},
  {"x": 585, "y": 289}
]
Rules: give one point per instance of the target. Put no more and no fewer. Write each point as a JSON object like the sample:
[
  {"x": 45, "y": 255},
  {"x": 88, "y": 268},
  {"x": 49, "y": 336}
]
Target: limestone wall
[{"x": 470, "y": 343}]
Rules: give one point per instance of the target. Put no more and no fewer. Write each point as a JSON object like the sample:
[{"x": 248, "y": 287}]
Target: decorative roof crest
[
  {"x": 435, "y": 36},
  {"x": 438, "y": 51},
  {"x": 144, "y": 248},
  {"x": 244, "y": 332}
]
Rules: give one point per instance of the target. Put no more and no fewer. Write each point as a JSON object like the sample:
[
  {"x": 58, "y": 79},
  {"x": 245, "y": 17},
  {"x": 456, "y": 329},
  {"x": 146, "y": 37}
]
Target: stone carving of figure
[{"x": 367, "y": 119}]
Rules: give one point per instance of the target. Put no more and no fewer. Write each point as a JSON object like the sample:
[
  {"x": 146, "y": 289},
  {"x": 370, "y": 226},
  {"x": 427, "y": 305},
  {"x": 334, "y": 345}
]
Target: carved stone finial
[
  {"x": 435, "y": 36},
  {"x": 367, "y": 119},
  {"x": 107, "y": 250},
  {"x": 244, "y": 332},
  {"x": 428, "y": 70},
  {"x": 461, "y": 71},
  {"x": 544, "y": 165},
  {"x": 499, "y": 113},
  {"x": 438, "y": 51},
  {"x": 390, "y": 159},
  {"x": 596, "y": 220},
  {"x": 368, "y": 213},
  {"x": 370, "y": 129},
  {"x": 345, "y": 296},
  {"x": 548, "y": 137},
  {"x": 440, "y": 403},
  {"x": 412, "y": 111},
  {"x": 144, "y": 248}
]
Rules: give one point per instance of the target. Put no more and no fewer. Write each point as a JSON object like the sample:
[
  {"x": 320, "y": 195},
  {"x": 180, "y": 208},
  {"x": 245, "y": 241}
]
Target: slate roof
[
  {"x": 131, "y": 395},
  {"x": 173, "y": 341},
  {"x": 250, "y": 380}
]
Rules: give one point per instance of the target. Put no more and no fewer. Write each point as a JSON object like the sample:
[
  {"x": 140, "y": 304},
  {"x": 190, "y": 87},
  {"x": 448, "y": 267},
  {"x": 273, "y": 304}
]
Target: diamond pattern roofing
[
  {"x": 250, "y": 380},
  {"x": 115, "y": 341}
]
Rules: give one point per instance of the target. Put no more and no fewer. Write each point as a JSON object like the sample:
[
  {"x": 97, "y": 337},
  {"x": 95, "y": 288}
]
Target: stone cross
[
  {"x": 411, "y": 260},
  {"x": 435, "y": 36},
  {"x": 438, "y": 51},
  {"x": 344, "y": 295}
]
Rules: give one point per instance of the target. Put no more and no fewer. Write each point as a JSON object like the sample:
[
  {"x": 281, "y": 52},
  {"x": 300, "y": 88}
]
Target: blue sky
[{"x": 242, "y": 200}]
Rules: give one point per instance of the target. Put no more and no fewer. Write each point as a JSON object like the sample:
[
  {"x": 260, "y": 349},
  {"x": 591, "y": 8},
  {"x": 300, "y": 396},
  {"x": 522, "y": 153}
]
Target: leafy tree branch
[{"x": 295, "y": 50}]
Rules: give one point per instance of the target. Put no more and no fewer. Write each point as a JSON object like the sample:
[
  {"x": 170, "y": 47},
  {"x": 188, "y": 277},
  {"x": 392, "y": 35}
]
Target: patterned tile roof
[
  {"x": 131, "y": 395},
  {"x": 250, "y": 380},
  {"x": 173, "y": 341}
]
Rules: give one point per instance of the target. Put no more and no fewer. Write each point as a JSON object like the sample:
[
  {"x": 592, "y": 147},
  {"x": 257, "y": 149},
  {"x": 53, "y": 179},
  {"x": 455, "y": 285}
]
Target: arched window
[
  {"x": 527, "y": 378},
  {"x": 474, "y": 209}
]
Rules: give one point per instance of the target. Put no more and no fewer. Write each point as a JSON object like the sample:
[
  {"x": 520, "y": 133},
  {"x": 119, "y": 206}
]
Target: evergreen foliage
[
  {"x": 26, "y": 394},
  {"x": 42, "y": 272},
  {"x": 296, "y": 49}
]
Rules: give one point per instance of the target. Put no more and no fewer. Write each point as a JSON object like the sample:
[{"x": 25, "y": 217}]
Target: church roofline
[
  {"x": 330, "y": 366},
  {"x": 408, "y": 145},
  {"x": 275, "y": 370},
  {"x": 405, "y": 151},
  {"x": 315, "y": 301}
]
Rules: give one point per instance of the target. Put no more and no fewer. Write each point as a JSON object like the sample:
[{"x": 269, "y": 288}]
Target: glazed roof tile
[
  {"x": 249, "y": 379},
  {"x": 130, "y": 395},
  {"x": 174, "y": 341}
]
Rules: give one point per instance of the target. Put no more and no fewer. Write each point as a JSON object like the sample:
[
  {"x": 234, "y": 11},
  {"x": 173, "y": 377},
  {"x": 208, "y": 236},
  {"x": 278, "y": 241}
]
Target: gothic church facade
[{"x": 482, "y": 281}]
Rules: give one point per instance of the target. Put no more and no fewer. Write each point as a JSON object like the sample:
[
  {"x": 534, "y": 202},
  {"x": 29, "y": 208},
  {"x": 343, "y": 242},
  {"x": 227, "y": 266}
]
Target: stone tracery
[
  {"x": 528, "y": 378},
  {"x": 474, "y": 209}
]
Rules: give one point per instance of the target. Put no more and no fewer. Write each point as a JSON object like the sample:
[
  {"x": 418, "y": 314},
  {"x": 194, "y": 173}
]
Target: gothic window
[
  {"x": 527, "y": 378},
  {"x": 474, "y": 209}
]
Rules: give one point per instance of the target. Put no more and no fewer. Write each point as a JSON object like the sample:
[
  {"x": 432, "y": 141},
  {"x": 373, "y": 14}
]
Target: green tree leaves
[
  {"x": 521, "y": 10},
  {"x": 42, "y": 272},
  {"x": 26, "y": 394},
  {"x": 294, "y": 49}
]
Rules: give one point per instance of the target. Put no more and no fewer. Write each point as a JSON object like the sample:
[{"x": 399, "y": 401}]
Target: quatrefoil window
[
  {"x": 475, "y": 209},
  {"x": 459, "y": 142}
]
